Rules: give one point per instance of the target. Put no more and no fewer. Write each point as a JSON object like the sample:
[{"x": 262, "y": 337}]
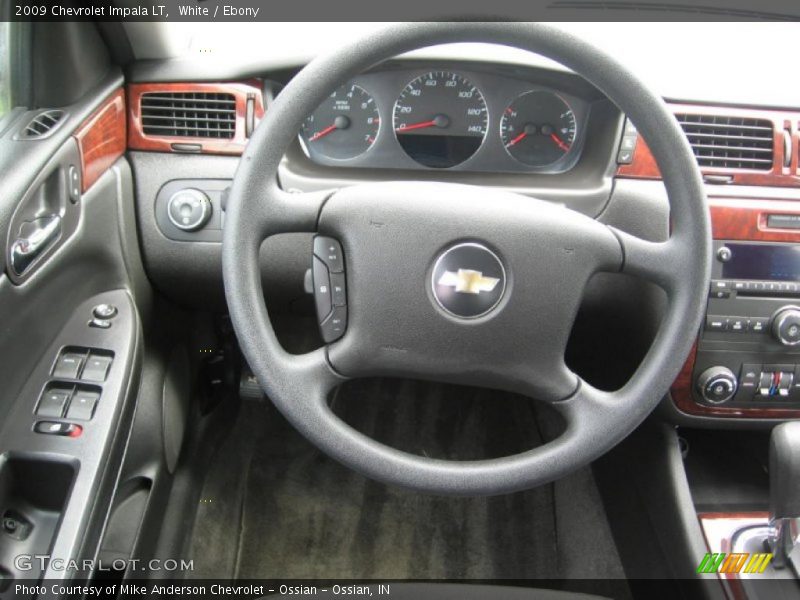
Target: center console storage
[{"x": 33, "y": 495}]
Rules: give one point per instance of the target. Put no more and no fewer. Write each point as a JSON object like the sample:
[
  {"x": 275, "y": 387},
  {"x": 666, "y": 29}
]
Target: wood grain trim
[
  {"x": 644, "y": 165},
  {"x": 101, "y": 139},
  {"x": 738, "y": 219},
  {"x": 137, "y": 140},
  {"x": 746, "y": 219},
  {"x": 725, "y": 516}
]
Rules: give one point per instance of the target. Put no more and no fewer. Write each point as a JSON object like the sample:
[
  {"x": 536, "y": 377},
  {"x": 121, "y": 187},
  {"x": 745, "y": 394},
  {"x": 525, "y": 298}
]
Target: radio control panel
[{"x": 748, "y": 352}]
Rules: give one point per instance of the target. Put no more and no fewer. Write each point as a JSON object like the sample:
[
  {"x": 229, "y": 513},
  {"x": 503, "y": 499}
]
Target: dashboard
[
  {"x": 490, "y": 119},
  {"x": 538, "y": 132}
]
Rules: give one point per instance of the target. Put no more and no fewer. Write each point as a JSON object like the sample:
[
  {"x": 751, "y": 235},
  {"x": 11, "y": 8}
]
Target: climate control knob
[
  {"x": 786, "y": 326},
  {"x": 717, "y": 384}
]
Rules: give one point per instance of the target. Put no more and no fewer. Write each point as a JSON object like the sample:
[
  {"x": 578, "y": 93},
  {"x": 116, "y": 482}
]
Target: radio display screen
[{"x": 762, "y": 261}]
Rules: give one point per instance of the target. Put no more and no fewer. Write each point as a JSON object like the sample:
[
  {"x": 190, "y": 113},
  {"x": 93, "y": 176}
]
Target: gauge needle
[
  {"x": 437, "y": 121},
  {"x": 559, "y": 142},
  {"x": 323, "y": 133},
  {"x": 422, "y": 125},
  {"x": 517, "y": 139}
]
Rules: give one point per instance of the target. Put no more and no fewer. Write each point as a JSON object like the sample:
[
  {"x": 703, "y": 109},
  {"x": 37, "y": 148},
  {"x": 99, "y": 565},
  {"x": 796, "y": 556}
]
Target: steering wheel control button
[
  {"x": 58, "y": 428},
  {"x": 104, "y": 311},
  {"x": 334, "y": 326},
  {"x": 330, "y": 294},
  {"x": 717, "y": 385},
  {"x": 189, "y": 209},
  {"x": 468, "y": 280},
  {"x": 786, "y": 326},
  {"x": 322, "y": 290},
  {"x": 338, "y": 293},
  {"x": 330, "y": 252}
]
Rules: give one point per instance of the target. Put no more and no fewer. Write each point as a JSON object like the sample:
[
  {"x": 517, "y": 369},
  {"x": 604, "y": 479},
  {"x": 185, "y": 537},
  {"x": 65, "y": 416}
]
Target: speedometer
[{"x": 440, "y": 119}]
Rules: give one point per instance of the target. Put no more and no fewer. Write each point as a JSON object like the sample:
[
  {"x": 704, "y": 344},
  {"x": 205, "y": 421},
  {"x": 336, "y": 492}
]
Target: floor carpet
[{"x": 273, "y": 506}]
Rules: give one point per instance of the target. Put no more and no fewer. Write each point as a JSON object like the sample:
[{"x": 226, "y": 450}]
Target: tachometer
[
  {"x": 440, "y": 119},
  {"x": 538, "y": 128},
  {"x": 344, "y": 126}
]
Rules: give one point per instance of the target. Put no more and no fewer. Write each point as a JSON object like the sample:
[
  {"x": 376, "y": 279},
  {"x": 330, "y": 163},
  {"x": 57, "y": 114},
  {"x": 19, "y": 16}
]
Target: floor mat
[{"x": 273, "y": 506}]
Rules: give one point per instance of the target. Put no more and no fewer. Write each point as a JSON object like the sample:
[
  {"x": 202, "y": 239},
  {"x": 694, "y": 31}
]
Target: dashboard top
[{"x": 656, "y": 52}]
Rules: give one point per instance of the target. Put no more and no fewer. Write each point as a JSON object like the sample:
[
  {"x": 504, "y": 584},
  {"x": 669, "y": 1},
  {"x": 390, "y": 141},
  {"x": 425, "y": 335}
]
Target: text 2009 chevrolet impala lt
[{"x": 452, "y": 310}]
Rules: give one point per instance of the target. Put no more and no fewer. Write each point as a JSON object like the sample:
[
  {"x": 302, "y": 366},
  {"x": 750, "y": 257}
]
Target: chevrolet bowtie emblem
[{"x": 467, "y": 281}]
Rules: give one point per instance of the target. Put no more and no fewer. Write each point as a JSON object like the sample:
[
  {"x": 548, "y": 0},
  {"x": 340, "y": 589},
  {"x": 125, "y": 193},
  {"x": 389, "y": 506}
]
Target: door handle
[{"x": 25, "y": 250}]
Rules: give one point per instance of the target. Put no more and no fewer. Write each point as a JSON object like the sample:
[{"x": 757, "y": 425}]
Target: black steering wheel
[{"x": 538, "y": 257}]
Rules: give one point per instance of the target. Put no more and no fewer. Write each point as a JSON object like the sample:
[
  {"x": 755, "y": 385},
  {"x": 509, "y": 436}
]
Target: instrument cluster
[{"x": 447, "y": 119}]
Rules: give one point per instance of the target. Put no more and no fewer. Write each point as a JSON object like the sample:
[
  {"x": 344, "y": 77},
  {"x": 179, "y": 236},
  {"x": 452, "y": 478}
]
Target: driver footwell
[{"x": 273, "y": 506}]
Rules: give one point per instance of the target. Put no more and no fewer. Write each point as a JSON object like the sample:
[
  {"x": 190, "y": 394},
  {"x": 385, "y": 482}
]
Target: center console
[{"x": 748, "y": 353}]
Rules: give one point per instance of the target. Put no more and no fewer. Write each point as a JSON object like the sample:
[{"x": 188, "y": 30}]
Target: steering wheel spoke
[{"x": 662, "y": 263}]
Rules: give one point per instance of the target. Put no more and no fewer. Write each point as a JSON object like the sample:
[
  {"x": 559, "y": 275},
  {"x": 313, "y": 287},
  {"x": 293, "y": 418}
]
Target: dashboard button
[
  {"x": 724, "y": 254},
  {"x": 330, "y": 252},
  {"x": 720, "y": 294},
  {"x": 720, "y": 284},
  {"x": 737, "y": 324},
  {"x": 785, "y": 383},
  {"x": 741, "y": 286},
  {"x": 758, "y": 324},
  {"x": 751, "y": 374},
  {"x": 625, "y": 157},
  {"x": 716, "y": 323},
  {"x": 628, "y": 142}
]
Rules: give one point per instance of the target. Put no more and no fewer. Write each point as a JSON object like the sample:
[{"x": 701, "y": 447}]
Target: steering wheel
[{"x": 399, "y": 239}]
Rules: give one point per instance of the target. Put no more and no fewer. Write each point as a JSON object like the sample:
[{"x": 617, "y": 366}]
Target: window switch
[
  {"x": 96, "y": 368},
  {"x": 68, "y": 365},
  {"x": 82, "y": 406},
  {"x": 52, "y": 403}
]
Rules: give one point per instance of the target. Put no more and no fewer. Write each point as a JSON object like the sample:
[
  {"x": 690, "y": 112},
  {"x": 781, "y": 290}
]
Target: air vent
[
  {"x": 189, "y": 114},
  {"x": 730, "y": 142},
  {"x": 42, "y": 124}
]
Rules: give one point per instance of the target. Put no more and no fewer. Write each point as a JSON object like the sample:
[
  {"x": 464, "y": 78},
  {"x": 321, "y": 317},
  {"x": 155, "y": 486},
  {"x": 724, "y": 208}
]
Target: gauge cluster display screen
[
  {"x": 763, "y": 261},
  {"x": 456, "y": 119}
]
